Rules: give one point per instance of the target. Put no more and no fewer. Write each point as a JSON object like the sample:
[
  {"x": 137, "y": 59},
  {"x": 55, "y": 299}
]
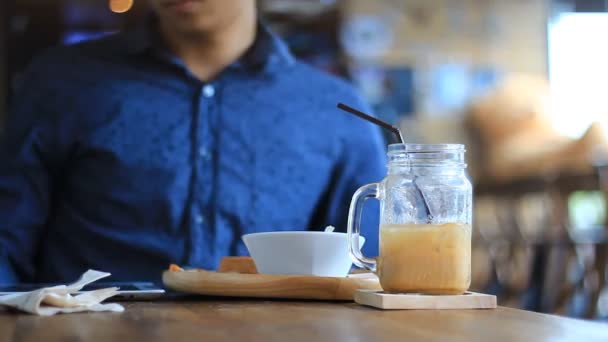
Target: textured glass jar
[{"x": 425, "y": 221}]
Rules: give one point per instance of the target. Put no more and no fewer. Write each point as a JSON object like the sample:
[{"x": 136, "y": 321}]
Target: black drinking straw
[
  {"x": 373, "y": 120},
  {"x": 397, "y": 132}
]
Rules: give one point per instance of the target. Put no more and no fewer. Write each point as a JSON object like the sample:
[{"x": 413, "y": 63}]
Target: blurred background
[{"x": 521, "y": 82}]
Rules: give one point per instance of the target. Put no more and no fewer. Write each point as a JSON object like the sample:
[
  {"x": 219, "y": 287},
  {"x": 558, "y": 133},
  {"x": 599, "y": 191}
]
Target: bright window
[{"x": 578, "y": 71}]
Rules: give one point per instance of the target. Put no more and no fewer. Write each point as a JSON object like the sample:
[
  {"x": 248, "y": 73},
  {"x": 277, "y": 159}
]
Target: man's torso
[{"x": 163, "y": 168}]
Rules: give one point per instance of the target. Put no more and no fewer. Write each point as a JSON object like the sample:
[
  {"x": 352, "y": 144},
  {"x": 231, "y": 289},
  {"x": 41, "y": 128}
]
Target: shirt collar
[{"x": 268, "y": 53}]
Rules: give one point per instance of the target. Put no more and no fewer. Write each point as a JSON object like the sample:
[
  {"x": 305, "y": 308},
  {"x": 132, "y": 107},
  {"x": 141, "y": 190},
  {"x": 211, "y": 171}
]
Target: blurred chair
[{"x": 537, "y": 262}]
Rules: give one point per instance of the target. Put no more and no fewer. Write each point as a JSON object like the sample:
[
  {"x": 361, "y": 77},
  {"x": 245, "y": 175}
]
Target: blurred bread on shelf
[{"x": 516, "y": 138}]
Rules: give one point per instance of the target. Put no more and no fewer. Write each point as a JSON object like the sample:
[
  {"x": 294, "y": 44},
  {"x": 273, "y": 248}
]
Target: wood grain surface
[{"x": 256, "y": 320}]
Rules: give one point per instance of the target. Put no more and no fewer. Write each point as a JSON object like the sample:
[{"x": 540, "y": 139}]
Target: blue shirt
[{"x": 115, "y": 157}]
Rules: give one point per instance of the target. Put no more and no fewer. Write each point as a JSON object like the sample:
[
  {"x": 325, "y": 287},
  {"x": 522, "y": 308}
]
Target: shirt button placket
[
  {"x": 204, "y": 154},
  {"x": 208, "y": 91}
]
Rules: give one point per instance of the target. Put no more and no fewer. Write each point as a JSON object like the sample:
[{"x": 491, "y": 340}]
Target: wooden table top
[{"x": 238, "y": 320}]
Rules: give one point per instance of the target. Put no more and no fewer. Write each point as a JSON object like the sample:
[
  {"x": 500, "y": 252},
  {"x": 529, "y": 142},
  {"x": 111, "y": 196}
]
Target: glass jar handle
[{"x": 354, "y": 225}]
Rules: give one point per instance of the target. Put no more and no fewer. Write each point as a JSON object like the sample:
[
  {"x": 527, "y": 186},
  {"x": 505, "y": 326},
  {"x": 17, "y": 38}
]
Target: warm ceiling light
[{"x": 120, "y": 6}]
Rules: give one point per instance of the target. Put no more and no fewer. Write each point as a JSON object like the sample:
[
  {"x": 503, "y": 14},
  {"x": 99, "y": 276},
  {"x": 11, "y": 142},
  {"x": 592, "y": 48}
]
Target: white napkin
[{"x": 48, "y": 301}]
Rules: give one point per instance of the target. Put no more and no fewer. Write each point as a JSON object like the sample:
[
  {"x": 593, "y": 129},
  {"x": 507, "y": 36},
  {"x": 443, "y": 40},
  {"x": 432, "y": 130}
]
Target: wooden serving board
[
  {"x": 268, "y": 285},
  {"x": 468, "y": 300}
]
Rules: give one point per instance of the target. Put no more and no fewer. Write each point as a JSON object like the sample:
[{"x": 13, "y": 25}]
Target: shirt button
[
  {"x": 208, "y": 91},
  {"x": 199, "y": 219},
  {"x": 204, "y": 153}
]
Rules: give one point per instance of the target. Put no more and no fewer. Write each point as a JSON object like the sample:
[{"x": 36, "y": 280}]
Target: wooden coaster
[{"x": 386, "y": 301}]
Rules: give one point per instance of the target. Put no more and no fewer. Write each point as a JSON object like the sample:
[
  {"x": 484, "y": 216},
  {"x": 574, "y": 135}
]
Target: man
[{"x": 166, "y": 144}]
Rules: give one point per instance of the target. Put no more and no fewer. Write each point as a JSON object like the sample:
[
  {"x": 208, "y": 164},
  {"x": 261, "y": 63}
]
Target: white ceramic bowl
[{"x": 300, "y": 252}]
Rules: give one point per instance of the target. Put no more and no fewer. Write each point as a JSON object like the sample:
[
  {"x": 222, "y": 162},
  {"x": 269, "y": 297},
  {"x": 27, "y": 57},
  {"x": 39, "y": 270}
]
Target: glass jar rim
[
  {"x": 425, "y": 148},
  {"x": 427, "y": 155}
]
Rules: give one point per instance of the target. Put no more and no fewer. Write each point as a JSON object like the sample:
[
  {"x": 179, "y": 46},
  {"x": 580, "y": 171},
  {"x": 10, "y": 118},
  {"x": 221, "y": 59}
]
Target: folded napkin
[{"x": 48, "y": 301}]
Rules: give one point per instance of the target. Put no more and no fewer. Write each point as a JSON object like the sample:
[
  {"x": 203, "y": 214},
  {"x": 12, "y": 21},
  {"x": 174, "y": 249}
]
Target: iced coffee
[
  {"x": 425, "y": 258},
  {"x": 426, "y": 210}
]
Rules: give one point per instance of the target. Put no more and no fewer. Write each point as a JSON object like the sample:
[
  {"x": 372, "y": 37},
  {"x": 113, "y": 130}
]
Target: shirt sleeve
[
  {"x": 26, "y": 146},
  {"x": 362, "y": 160}
]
